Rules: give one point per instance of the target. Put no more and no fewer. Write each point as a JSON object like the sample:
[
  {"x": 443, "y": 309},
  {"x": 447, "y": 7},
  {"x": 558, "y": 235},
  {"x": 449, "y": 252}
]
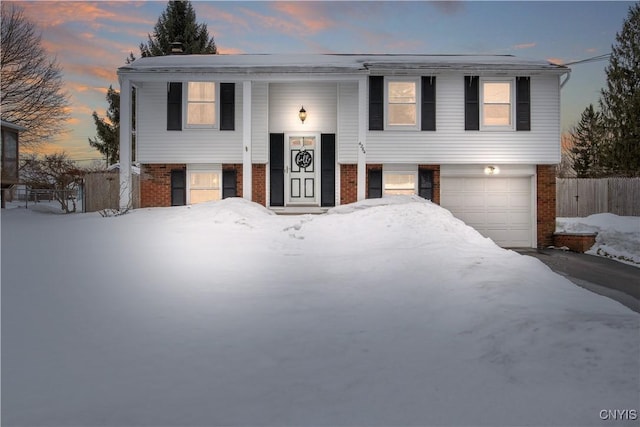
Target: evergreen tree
[
  {"x": 620, "y": 100},
  {"x": 178, "y": 24},
  {"x": 107, "y": 141},
  {"x": 587, "y": 137}
]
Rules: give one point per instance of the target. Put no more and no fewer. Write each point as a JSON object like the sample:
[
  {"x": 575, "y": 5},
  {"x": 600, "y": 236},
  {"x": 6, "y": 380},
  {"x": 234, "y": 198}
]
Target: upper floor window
[
  {"x": 402, "y": 103},
  {"x": 497, "y": 104},
  {"x": 201, "y": 104}
]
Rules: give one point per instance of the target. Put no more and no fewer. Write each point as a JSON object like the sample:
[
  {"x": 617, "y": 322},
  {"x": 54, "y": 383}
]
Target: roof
[
  {"x": 336, "y": 63},
  {"x": 13, "y": 126}
]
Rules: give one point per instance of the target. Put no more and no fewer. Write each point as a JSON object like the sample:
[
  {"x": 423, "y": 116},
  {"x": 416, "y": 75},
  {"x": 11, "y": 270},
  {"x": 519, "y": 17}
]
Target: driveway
[{"x": 603, "y": 276}]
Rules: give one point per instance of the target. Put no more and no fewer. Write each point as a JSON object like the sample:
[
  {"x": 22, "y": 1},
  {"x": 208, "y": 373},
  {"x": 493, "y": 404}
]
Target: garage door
[{"x": 499, "y": 208}]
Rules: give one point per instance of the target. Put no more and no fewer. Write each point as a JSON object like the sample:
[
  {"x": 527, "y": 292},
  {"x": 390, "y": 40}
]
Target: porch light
[
  {"x": 491, "y": 170},
  {"x": 302, "y": 114}
]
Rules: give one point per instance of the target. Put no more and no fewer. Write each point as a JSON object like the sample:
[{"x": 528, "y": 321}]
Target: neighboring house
[
  {"x": 479, "y": 135},
  {"x": 9, "y": 156}
]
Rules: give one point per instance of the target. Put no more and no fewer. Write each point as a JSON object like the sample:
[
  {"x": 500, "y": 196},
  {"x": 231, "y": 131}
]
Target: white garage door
[{"x": 499, "y": 208}]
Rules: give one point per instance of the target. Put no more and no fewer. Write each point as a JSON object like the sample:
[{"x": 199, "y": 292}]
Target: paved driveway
[{"x": 603, "y": 276}]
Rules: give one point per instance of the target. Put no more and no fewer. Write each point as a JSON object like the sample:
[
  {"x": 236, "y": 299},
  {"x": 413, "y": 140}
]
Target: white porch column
[
  {"x": 126, "y": 186},
  {"x": 246, "y": 140},
  {"x": 362, "y": 138}
]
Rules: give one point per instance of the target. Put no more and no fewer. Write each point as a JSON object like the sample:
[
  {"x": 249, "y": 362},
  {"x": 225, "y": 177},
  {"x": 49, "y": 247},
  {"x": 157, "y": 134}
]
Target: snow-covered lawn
[
  {"x": 618, "y": 236},
  {"x": 386, "y": 312}
]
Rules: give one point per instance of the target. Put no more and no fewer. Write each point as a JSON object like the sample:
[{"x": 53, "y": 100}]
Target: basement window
[
  {"x": 399, "y": 183},
  {"x": 204, "y": 186}
]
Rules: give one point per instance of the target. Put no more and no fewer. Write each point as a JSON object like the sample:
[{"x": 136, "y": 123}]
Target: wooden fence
[
  {"x": 580, "y": 197},
  {"x": 102, "y": 191}
]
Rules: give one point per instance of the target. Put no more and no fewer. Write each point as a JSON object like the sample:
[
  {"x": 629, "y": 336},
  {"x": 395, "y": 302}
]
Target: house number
[{"x": 303, "y": 159}]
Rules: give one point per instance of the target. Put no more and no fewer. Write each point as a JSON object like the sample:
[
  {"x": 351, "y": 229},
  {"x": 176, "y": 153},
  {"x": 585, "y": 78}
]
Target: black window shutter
[
  {"x": 328, "y": 169},
  {"x": 375, "y": 184},
  {"x": 428, "y": 103},
  {"x": 174, "y": 106},
  {"x": 471, "y": 103},
  {"x": 276, "y": 169},
  {"x": 425, "y": 184},
  {"x": 229, "y": 183},
  {"x": 376, "y": 103},
  {"x": 178, "y": 187},
  {"x": 523, "y": 103},
  {"x": 227, "y": 106}
]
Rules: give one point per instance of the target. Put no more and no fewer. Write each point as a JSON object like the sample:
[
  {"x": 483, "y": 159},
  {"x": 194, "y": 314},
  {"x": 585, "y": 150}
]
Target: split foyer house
[{"x": 479, "y": 135}]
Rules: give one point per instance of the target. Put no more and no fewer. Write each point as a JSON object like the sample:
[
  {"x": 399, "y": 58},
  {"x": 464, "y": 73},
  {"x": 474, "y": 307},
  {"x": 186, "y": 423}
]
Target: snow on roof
[{"x": 334, "y": 63}]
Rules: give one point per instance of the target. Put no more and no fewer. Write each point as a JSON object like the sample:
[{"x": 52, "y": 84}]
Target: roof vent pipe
[{"x": 176, "y": 48}]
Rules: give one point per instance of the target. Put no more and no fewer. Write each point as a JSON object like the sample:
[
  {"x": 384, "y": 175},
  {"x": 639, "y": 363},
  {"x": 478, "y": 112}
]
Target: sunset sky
[{"x": 92, "y": 39}]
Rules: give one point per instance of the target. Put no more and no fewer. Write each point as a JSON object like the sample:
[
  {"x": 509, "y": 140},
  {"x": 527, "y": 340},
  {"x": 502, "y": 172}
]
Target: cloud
[
  {"x": 525, "y": 45},
  {"x": 55, "y": 13},
  {"x": 216, "y": 15},
  {"x": 557, "y": 61},
  {"x": 107, "y": 74},
  {"x": 292, "y": 18},
  {"x": 309, "y": 15},
  {"x": 230, "y": 50},
  {"x": 448, "y": 7}
]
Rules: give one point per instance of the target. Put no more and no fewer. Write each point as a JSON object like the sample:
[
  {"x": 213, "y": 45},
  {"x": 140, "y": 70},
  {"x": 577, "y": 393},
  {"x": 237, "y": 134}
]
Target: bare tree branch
[{"x": 31, "y": 86}]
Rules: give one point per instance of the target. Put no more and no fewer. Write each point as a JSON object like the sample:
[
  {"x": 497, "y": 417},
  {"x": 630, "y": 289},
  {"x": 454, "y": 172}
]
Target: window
[
  {"x": 497, "y": 104},
  {"x": 204, "y": 186},
  {"x": 201, "y": 104},
  {"x": 9, "y": 156},
  {"x": 402, "y": 105},
  {"x": 399, "y": 183}
]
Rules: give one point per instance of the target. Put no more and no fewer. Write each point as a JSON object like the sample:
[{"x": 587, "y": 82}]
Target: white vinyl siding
[
  {"x": 319, "y": 99},
  {"x": 260, "y": 122},
  {"x": 157, "y": 145},
  {"x": 452, "y": 144},
  {"x": 347, "y": 136}
]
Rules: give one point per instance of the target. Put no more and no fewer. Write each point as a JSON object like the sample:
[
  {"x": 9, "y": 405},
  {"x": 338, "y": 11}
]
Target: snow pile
[
  {"x": 387, "y": 312},
  {"x": 618, "y": 236}
]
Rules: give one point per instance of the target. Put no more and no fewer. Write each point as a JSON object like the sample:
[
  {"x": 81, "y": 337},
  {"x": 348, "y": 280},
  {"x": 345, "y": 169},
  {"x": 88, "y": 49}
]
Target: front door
[{"x": 302, "y": 164}]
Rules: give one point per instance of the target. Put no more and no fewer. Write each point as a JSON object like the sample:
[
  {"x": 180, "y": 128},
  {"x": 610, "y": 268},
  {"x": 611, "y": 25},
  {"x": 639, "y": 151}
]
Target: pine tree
[
  {"x": 107, "y": 141},
  {"x": 620, "y": 100},
  {"x": 178, "y": 24},
  {"x": 588, "y": 137}
]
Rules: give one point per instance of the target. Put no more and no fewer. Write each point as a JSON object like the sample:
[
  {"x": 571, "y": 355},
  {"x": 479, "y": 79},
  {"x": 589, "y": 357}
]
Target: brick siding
[
  {"x": 546, "y": 204},
  {"x": 155, "y": 184},
  {"x": 348, "y": 184},
  {"x": 259, "y": 183}
]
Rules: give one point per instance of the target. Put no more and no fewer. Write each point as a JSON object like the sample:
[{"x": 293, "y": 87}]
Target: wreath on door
[{"x": 304, "y": 159}]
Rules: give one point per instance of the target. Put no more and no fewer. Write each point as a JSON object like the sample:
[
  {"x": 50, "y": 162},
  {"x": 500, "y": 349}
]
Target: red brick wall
[
  {"x": 348, "y": 184},
  {"x": 576, "y": 242},
  {"x": 436, "y": 181},
  {"x": 546, "y": 204},
  {"x": 238, "y": 168},
  {"x": 155, "y": 184},
  {"x": 259, "y": 183}
]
